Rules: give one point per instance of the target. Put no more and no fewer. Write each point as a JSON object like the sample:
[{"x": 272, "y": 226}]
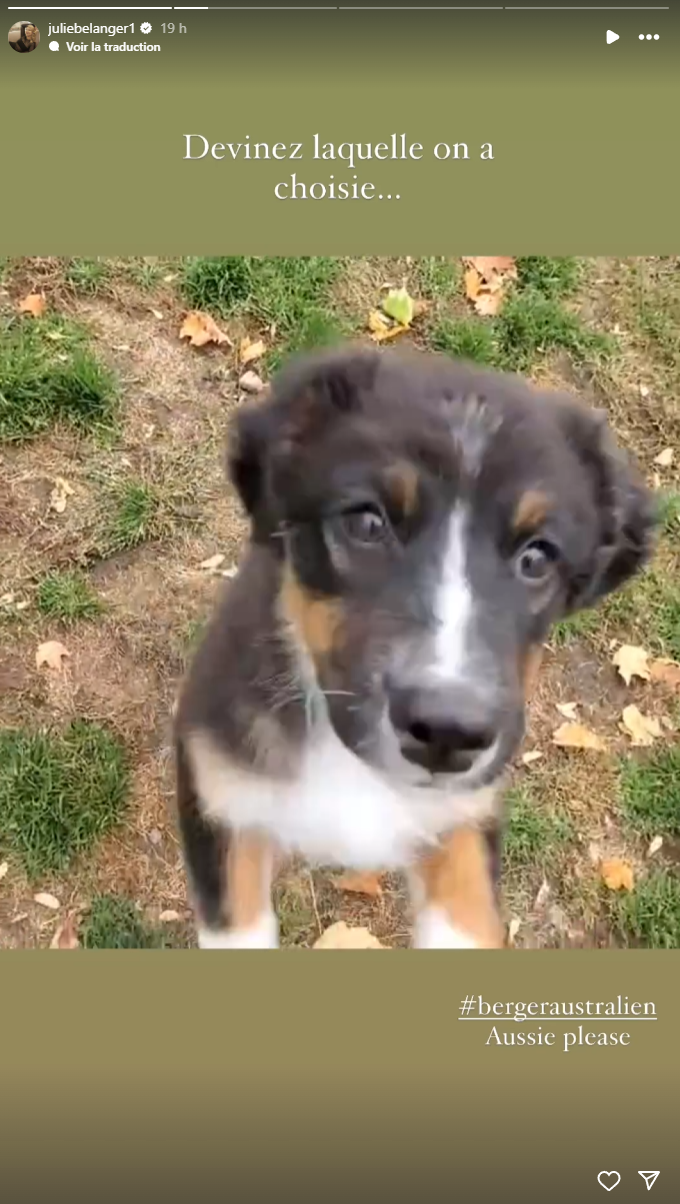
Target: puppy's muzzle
[{"x": 447, "y": 729}]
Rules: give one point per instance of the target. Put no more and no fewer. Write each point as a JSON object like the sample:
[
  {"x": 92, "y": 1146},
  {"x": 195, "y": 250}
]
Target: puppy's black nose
[{"x": 443, "y": 729}]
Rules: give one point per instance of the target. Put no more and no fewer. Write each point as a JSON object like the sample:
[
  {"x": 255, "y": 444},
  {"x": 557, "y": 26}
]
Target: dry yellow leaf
[
  {"x": 666, "y": 671},
  {"x": 631, "y": 661},
  {"x": 66, "y": 936},
  {"x": 642, "y": 729},
  {"x": 168, "y": 917},
  {"x": 157, "y": 314},
  {"x": 568, "y": 709},
  {"x": 654, "y": 846},
  {"x": 3, "y": 870},
  {"x": 491, "y": 266},
  {"x": 617, "y": 874},
  {"x": 513, "y": 929},
  {"x": 665, "y": 458},
  {"x": 380, "y": 330},
  {"x": 341, "y": 936},
  {"x": 360, "y": 884},
  {"x": 213, "y": 562},
  {"x": 199, "y": 329},
  {"x": 46, "y": 900},
  {"x": 52, "y": 654},
  {"x": 249, "y": 351},
  {"x": 534, "y": 754},
  {"x": 60, "y": 494},
  {"x": 575, "y": 735},
  {"x": 33, "y": 304}
]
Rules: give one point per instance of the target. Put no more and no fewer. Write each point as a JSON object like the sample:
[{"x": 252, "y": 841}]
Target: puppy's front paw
[
  {"x": 263, "y": 935},
  {"x": 434, "y": 930}
]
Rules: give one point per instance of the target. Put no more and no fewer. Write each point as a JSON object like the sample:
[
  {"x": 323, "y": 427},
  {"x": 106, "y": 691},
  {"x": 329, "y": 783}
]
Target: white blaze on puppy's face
[{"x": 453, "y": 606}]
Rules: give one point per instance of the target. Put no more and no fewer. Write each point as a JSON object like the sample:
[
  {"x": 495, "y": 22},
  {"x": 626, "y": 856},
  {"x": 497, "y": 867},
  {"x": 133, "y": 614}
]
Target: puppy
[{"x": 416, "y": 525}]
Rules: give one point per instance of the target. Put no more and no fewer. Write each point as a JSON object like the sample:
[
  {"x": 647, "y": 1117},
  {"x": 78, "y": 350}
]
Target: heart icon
[{"x": 609, "y": 1175}]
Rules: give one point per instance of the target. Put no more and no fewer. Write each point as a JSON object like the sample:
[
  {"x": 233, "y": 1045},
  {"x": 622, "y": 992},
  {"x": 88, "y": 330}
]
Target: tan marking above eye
[
  {"x": 402, "y": 483},
  {"x": 531, "y": 511}
]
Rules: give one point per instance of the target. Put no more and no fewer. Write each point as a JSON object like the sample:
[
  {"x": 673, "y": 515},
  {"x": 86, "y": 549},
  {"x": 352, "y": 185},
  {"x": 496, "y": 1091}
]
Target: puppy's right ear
[{"x": 252, "y": 433}]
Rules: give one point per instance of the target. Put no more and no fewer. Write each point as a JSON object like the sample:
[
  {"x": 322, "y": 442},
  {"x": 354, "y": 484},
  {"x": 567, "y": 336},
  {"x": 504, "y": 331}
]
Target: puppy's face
[{"x": 432, "y": 523}]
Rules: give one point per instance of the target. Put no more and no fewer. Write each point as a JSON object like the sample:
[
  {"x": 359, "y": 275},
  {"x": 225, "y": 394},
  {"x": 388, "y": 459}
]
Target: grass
[
  {"x": 60, "y": 791},
  {"x": 650, "y": 793},
  {"x": 669, "y": 514},
  {"x": 650, "y": 914},
  {"x": 578, "y": 626},
  {"x": 49, "y": 375},
  {"x": 87, "y": 276},
  {"x": 136, "y": 507},
  {"x": 290, "y": 294},
  {"x": 532, "y": 323},
  {"x": 67, "y": 597},
  {"x": 533, "y": 835},
  {"x": 113, "y": 922},
  {"x": 552, "y": 277},
  {"x": 437, "y": 278},
  {"x": 648, "y": 609}
]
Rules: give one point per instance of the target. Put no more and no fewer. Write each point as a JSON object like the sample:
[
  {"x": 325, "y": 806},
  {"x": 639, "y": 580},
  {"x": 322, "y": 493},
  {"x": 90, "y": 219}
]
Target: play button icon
[{"x": 611, "y": 36}]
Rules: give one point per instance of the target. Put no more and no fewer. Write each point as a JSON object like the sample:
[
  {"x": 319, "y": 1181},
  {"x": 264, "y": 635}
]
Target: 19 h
[{"x": 169, "y": 27}]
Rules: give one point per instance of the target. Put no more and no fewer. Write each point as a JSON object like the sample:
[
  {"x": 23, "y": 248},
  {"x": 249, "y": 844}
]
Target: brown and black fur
[{"x": 418, "y": 432}]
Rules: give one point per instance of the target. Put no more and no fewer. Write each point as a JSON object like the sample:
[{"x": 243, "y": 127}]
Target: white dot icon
[{"x": 54, "y": 45}]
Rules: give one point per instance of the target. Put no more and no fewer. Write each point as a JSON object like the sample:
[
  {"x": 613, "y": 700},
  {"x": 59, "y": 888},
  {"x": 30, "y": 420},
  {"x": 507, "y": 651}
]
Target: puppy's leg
[
  {"x": 230, "y": 873},
  {"x": 454, "y": 895}
]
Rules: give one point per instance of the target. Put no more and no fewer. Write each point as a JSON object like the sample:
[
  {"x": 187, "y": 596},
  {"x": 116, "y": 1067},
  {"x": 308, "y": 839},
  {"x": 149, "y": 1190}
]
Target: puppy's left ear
[{"x": 625, "y": 509}]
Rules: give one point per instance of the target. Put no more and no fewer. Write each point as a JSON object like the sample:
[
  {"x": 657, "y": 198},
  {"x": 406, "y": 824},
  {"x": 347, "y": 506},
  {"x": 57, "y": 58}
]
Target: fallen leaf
[
  {"x": 399, "y": 306},
  {"x": 168, "y": 917},
  {"x": 60, "y": 494},
  {"x": 360, "y": 884},
  {"x": 534, "y": 754},
  {"x": 543, "y": 894},
  {"x": 490, "y": 266},
  {"x": 52, "y": 654},
  {"x": 654, "y": 846},
  {"x": 594, "y": 853},
  {"x": 380, "y": 330},
  {"x": 3, "y": 870},
  {"x": 55, "y": 335},
  {"x": 249, "y": 351},
  {"x": 251, "y": 382},
  {"x": 231, "y": 571},
  {"x": 666, "y": 671},
  {"x": 46, "y": 900},
  {"x": 631, "y": 661},
  {"x": 169, "y": 279},
  {"x": 642, "y": 729},
  {"x": 575, "y": 735},
  {"x": 617, "y": 874},
  {"x": 213, "y": 562},
  {"x": 568, "y": 709},
  {"x": 33, "y": 304},
  {"x": 513, "y": 929},
  {"x": 485, "y": 278},
  {"x": 665, "y": 458},
  {"x": 157, "y": 314},
  {"x": 66, "y": 936},
  {"x": 644, "y": 391},
  {"x": 341, "y": 936},
  {"x": 23, "y": 605},
  {"x": 199, "y": 329}
]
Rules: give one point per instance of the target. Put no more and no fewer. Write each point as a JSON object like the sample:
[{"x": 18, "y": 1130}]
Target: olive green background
[
  {"x": 583, "y": 134},
  {"x": 169, "y": 1075},
  {"x": 231, "y": 1076}
]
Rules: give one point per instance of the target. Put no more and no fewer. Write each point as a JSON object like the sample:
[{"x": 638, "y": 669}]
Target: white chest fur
[{"x": 338, "y": 810}]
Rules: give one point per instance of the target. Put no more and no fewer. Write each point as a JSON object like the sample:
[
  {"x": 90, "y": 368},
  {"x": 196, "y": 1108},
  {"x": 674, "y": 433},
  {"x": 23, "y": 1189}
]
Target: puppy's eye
[
  {"x": 365, "y": 525},
  {"x": 536, "y": 560}
]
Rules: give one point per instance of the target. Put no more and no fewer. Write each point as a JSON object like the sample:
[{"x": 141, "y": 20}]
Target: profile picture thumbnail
[{"x": 24, "y": 37}]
